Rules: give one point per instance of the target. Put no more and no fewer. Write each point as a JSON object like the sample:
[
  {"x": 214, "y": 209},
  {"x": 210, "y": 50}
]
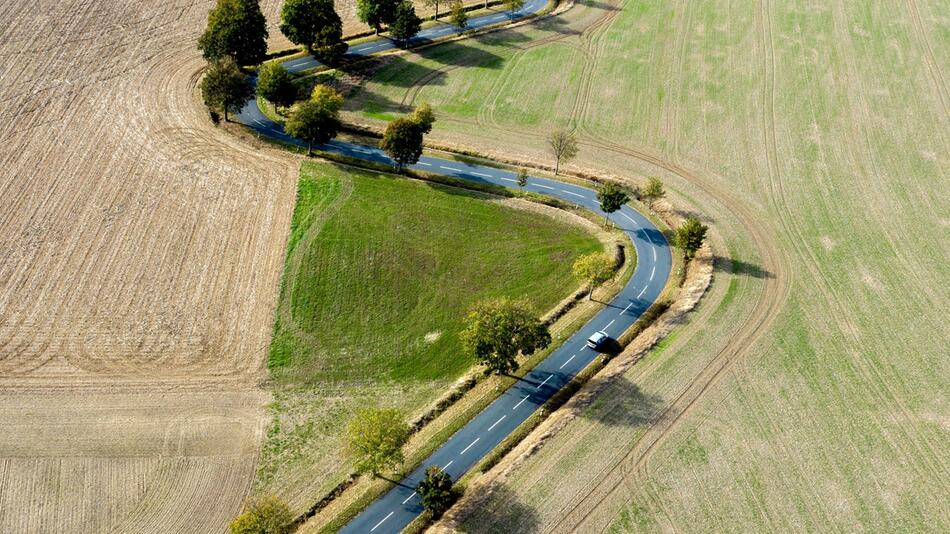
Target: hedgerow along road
[{"x": 398, "y": 507}]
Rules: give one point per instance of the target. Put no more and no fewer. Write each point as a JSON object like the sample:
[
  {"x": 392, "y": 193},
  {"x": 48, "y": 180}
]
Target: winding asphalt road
[{"x": 397, "y": 508}]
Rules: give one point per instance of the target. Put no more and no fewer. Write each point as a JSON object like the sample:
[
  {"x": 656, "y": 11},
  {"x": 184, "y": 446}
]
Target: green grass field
[
  {"x": 815, "y": 139},
  {"x": 380, "y": 272}
]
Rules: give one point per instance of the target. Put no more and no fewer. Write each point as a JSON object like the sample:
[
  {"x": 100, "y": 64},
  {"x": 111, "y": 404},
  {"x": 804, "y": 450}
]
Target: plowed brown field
[{"x": 140, "y": 254}]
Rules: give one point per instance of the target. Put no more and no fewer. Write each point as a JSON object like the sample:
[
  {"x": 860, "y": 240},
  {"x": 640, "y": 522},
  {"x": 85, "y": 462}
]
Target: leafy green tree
[
  {"x": 402, "y": 141},
  {"x": 498, "y": 329},
  {"x": 316, "y": 120},
  {"x": 513, "y": 5},
  {"x": 264, "y": 515},
  {"x": 225, "y": 87},
  {"x": 594, "y": 269},
  {"x": 435, "y": 4},
  {"x": 376, "y": 13},
  {"x": 374, "y": 439},
  {"x": 405, "y": 22},
  {"x": 276, "y": 85},
  {"x": 235, "y": 28},
  {"x": 458, "y": 16},
  {"x": 564, "y": 147},
  {"x": 522, "y": 178},
  {"x": 424, "y": 117},
  {"x": 690, "y": 236},
  {"x": 653, "y": 190},
  {"x": 611, "y": 198},
  {"x": 314, "y": 24},
  {"x": 436, "y": 490}
]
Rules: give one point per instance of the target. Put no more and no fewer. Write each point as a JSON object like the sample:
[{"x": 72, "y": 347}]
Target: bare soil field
[
  {"x": 808, "y": 392},
  {"x": 140, "y": 255}
]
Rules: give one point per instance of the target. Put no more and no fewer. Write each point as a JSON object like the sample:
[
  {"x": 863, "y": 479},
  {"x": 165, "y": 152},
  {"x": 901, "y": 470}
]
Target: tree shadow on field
[
  {"x": 503, "y": 513},
  {"x": 744, "y": 268},
  {"x": 624, "y": 404},
  {"x": 461, "y": 55}
]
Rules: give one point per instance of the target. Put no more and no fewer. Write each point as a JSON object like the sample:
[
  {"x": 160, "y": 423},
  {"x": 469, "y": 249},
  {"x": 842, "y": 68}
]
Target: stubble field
[
  {"x": 140, "y": 255},
  {"x": 809, "y": 390}
]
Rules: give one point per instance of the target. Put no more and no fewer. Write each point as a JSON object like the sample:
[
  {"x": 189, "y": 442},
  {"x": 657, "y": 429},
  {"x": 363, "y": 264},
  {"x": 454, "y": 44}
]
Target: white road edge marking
[
  {"x": 545, "y": 382},
  {"x": 496, "y": 423},
  {"x": 381, "y": 521},
  {"x": 570, "y": 193},
  {"x": 522, "y": 400},
  {"x": 567, "y": 362},
  {"x": 411, "y": 495},
  {"x": 469, "y": 446}
]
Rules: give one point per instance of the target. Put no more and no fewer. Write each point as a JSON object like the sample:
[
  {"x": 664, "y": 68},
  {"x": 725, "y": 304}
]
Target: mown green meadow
[{"x": 380, "y": 271}]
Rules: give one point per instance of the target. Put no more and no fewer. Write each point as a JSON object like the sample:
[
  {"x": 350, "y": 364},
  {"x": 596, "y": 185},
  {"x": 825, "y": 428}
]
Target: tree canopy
[
  {"x": 513, "y": 5},
  {"x": 594, "y": 269},
  {"x": 458, "y": 16},
  {"x": 235, "y": 28},
  {"x": 276, "y": 85},
  {"x": 653, "y": 190},
  {"x": 316, "y": 120},
  {"x": 564, "y": 147},
  {"x": 690, "y": 236},
  {"x": 225, "y": 87},
  {"x": 264, "y": 515},
  {"x": 314, "y": 24},
  {"x": 498, "y": 329},
  {"x": 435, "y": 4},
  {"x": 611, "y": 198},
  {"x": 376, "y": 13},
  {"x": 522, "y": 177},
  {"x": 403, "y": 137},
  {"x": 424, "y": 117},
  {"x": 435, "y": 490},
  {"x": 405, "y": 22},
  {"x": 374, "y": 439}
]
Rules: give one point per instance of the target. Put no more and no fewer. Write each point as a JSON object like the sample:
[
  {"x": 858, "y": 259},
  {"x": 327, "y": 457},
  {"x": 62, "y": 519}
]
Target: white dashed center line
[
  {"x": 413, "y": 494},
  {"x": 381, "y": 522},
  {"x": 570, "y": 193},
  {"x": 567, "y": 362},
  {"x": 469, "y": 446},
  {"x": 483, "y": 175},
  {"x": 654, "y": 253},
  {"x": 453, "y": 169},
  {"x": 642, "y": 291},
  {"x": 425, "y": 164},
  {"x": 653, "y": 272},
  {"x": 608, "y": 324},
  {"x": 545, "y": 382},
  {"x": 629, "y": 219},
  {"x": 522, "y": 400},
  {"x": 544, "y": 186},
  {"x": 447, "y": 465},
  {"x": 510, "y": 180},
  {"x": 496, "y": 423},
  {"x": 627, "y": 308}
]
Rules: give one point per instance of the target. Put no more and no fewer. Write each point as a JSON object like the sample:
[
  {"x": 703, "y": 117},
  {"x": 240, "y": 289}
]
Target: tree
[
  {"x": 374, "y": 439},
  {"x": 376, "y": 12},
  {"x": 405, "y": 22},
  {"x": 594, "y": 269},
  {"x": 235, "y": 28},
  {"x": 276, "y": 85},
  {"x": 690, "y": 235},
  {"x": 653, "y": 191},
  {"x": 424, "y": 117},
  {"x": 522, "y": 178},
  {"x": 403, "y": 137},
  {"x": 435, "y": 4},
  {"x": 225, "y": 87},
  {"x": 315, "y": 25},
  {"x": 513, "y": 5},
  {"x": 264, "y": 515},
  {"x": 611, "y": 198},
  {"x": 316, "y": 120},
  {"x": 498, "y": 329},
  {"x": 458, "y": 16},
  {"x": 436, "y": 490},
  {"x": 563, "y": 146}
]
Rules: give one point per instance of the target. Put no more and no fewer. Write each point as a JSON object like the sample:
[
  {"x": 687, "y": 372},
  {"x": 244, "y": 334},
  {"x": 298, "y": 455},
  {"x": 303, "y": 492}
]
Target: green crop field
[
  {"x": 809, "y": 391},
  {"x": 380, "y": 271}
]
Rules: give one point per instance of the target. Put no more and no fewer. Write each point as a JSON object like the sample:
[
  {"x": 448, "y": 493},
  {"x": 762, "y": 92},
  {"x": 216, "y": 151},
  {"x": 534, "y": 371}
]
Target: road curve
[{"x": 398, "y": 507}]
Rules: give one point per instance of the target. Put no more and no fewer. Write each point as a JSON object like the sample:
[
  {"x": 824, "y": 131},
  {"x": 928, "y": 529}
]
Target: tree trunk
[
  {"x": 590, "y": 293},
  {"x": 606, "y": 220},
  {"x": 436, "y": 11},
  {"x": 557, "y": 165},
  {"x": 309, "y": 148},
  {"x": 225, "y": 114}
]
